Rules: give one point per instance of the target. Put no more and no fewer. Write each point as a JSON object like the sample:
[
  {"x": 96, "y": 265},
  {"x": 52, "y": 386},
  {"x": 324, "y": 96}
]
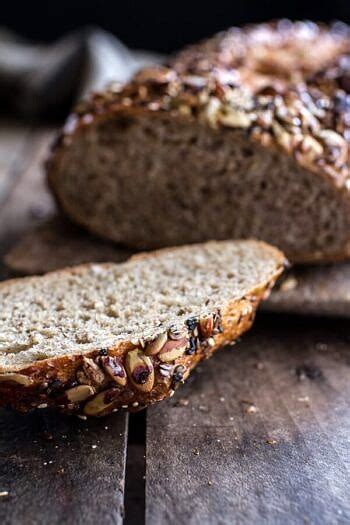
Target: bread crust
[
  {"x": 301, "y": 120},
  {"x": 269, "y": 51},
  {"x": 131, "y": 374}
]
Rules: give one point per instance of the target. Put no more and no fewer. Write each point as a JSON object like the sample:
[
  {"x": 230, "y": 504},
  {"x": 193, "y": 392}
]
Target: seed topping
[
  {"x": 178, "y": 375},
  {"x": 79, "y": 393},
  {"x": 90, "y": 373},
  {"x": 154, "y": 347},
  {"x": 114, "y": 369},
  {"x": 173, "y": 349},
  {"x": 20, "y": 379},
  {"x": 177, "y": 333},
  {"x": 280, "y": 116},
  {"x": 206, "y": 326},
  {"x": 140, "y": 370},
  {"x": 102, "y": 402}
]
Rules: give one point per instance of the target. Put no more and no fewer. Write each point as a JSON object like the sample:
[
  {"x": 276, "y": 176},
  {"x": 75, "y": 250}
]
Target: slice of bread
[
  {"x": 56, "y": 244},
  {"x": 175, "y": 157},
  {"x": 99, "y": 337},
  {"x": 316, "y": 290}
]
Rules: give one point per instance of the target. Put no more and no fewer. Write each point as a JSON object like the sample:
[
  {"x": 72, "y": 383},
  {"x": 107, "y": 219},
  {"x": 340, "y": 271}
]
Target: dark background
[{"x": 162, "y": 26}]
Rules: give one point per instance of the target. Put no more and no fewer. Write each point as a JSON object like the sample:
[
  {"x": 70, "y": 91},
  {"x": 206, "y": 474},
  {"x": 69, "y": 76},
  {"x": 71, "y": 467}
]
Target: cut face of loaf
[
  {"x": 98, "y": 337},
  {"x": 229, "y": 143},
  {"x": 150, "y": 181}
]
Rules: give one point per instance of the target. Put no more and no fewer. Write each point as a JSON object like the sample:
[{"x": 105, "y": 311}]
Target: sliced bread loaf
[
  {"x": 177, "y": 157},
  {"x": 99, "y": 337}
]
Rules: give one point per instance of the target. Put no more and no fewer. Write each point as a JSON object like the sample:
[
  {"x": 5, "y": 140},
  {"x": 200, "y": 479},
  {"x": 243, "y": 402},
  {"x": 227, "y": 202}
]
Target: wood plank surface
[
  {"x": 61, "y": 470},
  {"x": 53, "y": 469},
  {"x": 261, "y": 435}
]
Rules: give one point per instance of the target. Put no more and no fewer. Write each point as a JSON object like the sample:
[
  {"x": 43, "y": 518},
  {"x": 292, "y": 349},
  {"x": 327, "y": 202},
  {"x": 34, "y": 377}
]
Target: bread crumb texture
[{"x": 96, "y": 306}]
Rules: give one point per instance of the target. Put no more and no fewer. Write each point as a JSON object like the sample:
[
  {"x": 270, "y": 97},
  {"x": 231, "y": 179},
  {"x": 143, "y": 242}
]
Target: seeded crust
[
  {"x": 282, "y": 52},
  {"x": 133, "y": 373},
  {"x": 222, "y": 88}
]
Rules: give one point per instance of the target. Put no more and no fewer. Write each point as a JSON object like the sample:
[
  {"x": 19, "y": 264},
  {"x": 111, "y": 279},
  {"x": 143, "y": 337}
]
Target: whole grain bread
[
  {"x": 238, "y": 138},
  {"x": 98, "y": 337}
]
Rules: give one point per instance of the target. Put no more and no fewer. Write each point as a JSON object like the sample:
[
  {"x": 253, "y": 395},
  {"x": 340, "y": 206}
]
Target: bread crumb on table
[
  {"x": 271, "y": 442},
  {"x": 289, "y": 284},
  {"x": 249, "y": 407}
]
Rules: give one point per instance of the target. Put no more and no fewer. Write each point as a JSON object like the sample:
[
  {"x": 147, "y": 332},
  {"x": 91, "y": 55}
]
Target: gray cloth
[{"x": 43, "y": 80}]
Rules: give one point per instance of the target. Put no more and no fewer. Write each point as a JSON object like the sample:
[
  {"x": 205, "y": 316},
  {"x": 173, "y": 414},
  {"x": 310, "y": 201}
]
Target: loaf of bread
[
  {"x": 245, "y": 135},
  {"x": 98, "y": 337}
]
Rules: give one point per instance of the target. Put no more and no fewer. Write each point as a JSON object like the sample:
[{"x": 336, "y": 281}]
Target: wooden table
[{"x": 260, "y": 434}]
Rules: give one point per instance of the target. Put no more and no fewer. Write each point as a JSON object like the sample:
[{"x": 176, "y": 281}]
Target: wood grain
[
  {"x": 61, "y": 470},
  {"x": 264, "y": 437}
]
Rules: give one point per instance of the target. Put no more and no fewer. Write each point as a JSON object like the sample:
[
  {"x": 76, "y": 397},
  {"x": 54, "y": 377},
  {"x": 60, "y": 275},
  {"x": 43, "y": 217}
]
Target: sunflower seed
[{"x": 79, "y": 393}]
